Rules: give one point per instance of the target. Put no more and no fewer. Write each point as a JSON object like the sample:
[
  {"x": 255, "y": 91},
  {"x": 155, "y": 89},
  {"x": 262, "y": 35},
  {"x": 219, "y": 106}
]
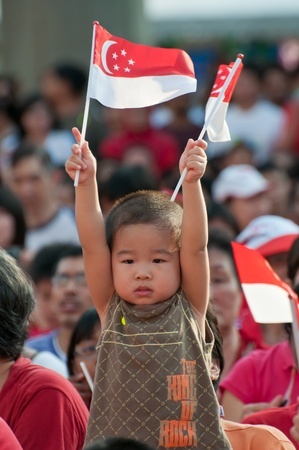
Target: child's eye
[
  {"x": 158, "y": 260},
  {"x": 128, "y": 261}
]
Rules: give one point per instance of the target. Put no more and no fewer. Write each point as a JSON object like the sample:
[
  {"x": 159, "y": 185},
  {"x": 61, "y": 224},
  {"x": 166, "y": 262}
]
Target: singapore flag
[
  {"x": 128, "y": 75},
  {"x": 217, "y": 129},
  {"x": 269, "y": 298}
]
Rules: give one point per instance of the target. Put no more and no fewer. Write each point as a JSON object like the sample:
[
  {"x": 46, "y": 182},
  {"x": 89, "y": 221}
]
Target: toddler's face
[{"x": 145, "y": 264}]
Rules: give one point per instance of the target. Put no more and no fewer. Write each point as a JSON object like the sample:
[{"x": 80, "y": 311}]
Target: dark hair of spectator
[
  {"x": 217, "y": 351},
  {"x": 220, "y": 211},
  {"x": 45, "y": 260},
  {"x": 71, "y": 251},
  {"x": 32, "y": 151},
  {"x": 128, "y": 179},
  {"x": 16, "y": 305},
  {"x": 29, "y": 102},
  {"x": 11, "y": 204},
  {"x": 83, "y": 331},
  {"x": 73, "y": 74}
]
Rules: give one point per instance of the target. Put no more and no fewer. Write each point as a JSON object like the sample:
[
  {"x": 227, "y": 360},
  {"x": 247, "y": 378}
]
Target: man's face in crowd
[
  {"x": 71, "y": 295},
  {"x": 31, "y": 182}
]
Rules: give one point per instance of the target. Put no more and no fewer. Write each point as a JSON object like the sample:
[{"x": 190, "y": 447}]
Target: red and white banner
[
  {"x": 128, "y": 75},
  {"x": 269, "y": 298},
  {"x": 217, "y": 128}
]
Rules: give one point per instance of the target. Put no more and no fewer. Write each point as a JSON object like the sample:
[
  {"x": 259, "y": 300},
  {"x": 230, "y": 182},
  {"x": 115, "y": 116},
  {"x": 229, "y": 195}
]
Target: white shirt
[
  {"x": 259, "y": 125},
  {"x": 62, "y": 228}
]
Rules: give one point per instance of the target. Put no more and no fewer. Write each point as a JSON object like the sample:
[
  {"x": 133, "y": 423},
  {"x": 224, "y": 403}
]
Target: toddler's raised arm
[
  {"x": 90, "y": 224},
  {"x": 193, "y": 254}
]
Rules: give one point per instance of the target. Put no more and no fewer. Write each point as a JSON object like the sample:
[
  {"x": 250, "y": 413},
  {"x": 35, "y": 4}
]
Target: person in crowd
[
  {"x": 280, "y": 188},
  {"x": 64, "y": 86},
  {"x": 136, "y": 130},
  {"x": 9, "y": 133},
  {"x": 8, "y": 441},
  {"x": 180, "y": 125},
  {"x": 249, "y": 387},
  {"x": 227, "y": 298},
  {"x": 239, "y": 152},
  {"x": 273, "y": 237},
  {"x": 242, "y": 436},
  {"x": 140, "y": 313},
  {"x": 220, "y": 218},
  {"x": 39, "y": 127},
  {"x": 83, "y": 348},
  {"x": 12, "y": 222},
  {"x": 43, "y": 409},
  {"x": 288, "y": 141},
  {"x": 124, "y": 180},
  {"x": 276, "y": 84},
  {"x": 294, "y": 196},
  {"x": 244, "y": 191},
  {"x": 287, "y": 418},
  {"x": 43, "y": 320},
  {"x": 33, "y": 182},
  {"x": 251, "y": 117},
  {"x": 71, "y": 297}
]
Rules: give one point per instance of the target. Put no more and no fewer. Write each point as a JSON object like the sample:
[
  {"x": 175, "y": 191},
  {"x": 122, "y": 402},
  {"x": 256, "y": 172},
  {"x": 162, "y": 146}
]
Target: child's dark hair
[
  {"x": 145, "y": 207},
  {"x": 118, "y": 443}
]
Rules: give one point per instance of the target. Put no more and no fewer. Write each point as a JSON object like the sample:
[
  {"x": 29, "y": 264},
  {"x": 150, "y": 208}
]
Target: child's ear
[{"x": 214, "y": 371}]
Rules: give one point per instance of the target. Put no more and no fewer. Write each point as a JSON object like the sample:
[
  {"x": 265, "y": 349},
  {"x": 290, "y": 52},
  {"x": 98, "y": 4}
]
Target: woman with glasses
[{"x": 82, "y": 348}]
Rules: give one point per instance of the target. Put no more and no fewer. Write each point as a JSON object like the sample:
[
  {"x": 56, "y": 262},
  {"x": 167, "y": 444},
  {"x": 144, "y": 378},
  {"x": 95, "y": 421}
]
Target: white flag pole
[
  {"x": 87, "y": 102},
  {"x": 210, "y": 117},
  {"x": 87, "y": 375}
]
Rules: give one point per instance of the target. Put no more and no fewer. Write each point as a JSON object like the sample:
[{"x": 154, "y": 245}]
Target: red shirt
[
  {"x": 281, "y": 418},
  {"x": 163, "y": 146},
  {"x": 42, "y": 408},
  {"x": 262, "y": 375},
  {"x": 8, "y": 440}
]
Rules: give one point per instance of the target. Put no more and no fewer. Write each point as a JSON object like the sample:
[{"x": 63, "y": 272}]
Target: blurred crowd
[{"x": 251, "y": 188}]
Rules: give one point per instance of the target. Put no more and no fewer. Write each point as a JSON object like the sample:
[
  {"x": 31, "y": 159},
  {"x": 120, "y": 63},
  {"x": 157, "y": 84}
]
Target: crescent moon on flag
[{"x": 104, "y": 51}]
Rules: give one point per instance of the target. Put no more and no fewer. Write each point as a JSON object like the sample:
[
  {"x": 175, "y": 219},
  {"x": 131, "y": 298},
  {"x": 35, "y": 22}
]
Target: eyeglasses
[
  {"x": 62, "y": 279},
  {"x": 86, "y": 352}
]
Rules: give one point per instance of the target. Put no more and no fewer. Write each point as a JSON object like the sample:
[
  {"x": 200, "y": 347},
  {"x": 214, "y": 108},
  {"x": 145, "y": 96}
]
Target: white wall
[{"x": 163, "y": 9}]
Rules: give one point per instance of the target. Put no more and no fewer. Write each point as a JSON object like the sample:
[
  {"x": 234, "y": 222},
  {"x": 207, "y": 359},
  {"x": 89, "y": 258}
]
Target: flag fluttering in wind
[
  {"x": 269, "y": 298},
  {"x": 216, "y": 108},
  {"x": 217, "y": 128},
  {"x": 127, "y": 75}
]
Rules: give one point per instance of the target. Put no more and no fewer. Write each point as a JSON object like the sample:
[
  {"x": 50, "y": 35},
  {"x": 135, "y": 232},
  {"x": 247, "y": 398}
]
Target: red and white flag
[
  {"x": 128, "y": 75},
  {"x": 217, "y": 128},
  {"x": 269, "y": 298}
]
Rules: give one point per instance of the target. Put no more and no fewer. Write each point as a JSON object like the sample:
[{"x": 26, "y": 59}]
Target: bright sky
[{"x": 163, "y": 9}]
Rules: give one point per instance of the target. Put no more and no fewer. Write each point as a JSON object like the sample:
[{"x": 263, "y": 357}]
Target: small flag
[
  {"x": 269, "y": 298},
  {"x": 128, "y": 75},
  {"x": 217, "y": 129}
]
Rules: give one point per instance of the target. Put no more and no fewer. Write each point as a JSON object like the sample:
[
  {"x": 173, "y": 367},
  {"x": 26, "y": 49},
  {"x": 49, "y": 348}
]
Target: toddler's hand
[
  {"x": 86, "y": 164},
  {"x": 194, "y": 158}
]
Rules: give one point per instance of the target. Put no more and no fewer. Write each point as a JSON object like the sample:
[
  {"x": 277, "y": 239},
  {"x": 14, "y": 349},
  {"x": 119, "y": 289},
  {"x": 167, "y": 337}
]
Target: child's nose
[{"x": 143, "y": 273}]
